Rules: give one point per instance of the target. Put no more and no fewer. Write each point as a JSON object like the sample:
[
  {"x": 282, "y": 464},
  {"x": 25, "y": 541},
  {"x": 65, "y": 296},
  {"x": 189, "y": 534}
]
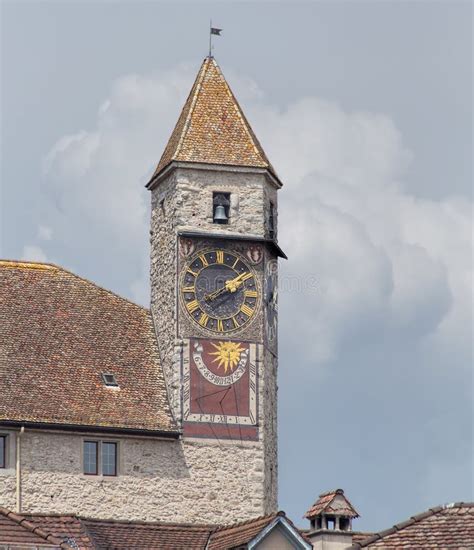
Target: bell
[{"x": 220, "y": 215}]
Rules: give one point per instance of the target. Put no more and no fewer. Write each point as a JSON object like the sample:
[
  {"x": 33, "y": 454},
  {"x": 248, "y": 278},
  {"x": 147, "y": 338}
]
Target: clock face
[{"x": 219, "y": 291}]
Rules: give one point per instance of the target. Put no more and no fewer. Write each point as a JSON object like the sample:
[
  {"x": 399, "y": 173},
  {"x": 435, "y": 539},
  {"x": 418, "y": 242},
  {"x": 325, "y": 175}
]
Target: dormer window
[
  {"x": 220, "y": 207},
  {"x": 109, "y": 380}
]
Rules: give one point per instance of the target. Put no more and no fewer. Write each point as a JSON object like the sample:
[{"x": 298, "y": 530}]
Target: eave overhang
[
  {"x": 117, "y": 430},
  {"x": 156, "y": 179},
  {"x": 271, "y": 244}
]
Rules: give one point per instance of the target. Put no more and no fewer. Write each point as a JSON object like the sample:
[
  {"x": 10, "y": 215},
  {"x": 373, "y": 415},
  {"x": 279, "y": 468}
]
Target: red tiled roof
[
  {"x": 150, "y": 536},
  {"x": 212, "y": 128},
  {"x": 68, "y": 528},
  {"x": 88, "y": 534},
  {"x": 448, "y": 527},
  {"x": 238, "y": 534},
  {"x": 58, "y": 334},
  {"x": 16, "y": 529},
  {"x": 358, "y": 536},
  {"x": 324, "y": 504}
]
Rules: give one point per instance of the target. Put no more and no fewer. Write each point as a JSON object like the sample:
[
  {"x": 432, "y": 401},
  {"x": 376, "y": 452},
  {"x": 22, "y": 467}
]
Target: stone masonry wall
[
  {"x": 163, "y": 480},
  {"x": 163, "y": 278},
  {"x": 183, "y": 202}
]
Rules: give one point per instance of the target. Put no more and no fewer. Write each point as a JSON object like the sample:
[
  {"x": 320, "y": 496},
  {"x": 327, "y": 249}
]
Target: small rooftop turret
[{"x": 331, "y": 520}]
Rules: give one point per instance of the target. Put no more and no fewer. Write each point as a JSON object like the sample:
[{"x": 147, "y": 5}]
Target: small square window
[
  {"x": 109, "y": 458},
  {"x": 3, "y": 451},
  {"x": 109, "y": 379},
  {"x": 91, "y": 458}
]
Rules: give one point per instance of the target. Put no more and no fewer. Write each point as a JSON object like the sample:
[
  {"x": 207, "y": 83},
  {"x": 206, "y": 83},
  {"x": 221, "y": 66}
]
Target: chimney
[{"x": 331, "y": 521}]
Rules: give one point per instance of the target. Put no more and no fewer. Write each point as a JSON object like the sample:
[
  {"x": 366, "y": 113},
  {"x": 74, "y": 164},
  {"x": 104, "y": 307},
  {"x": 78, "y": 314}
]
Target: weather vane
[{"x": 212, "y": 30}]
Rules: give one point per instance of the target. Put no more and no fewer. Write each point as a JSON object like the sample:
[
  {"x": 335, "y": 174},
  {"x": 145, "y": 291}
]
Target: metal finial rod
[{"x": 210, "y": 37}]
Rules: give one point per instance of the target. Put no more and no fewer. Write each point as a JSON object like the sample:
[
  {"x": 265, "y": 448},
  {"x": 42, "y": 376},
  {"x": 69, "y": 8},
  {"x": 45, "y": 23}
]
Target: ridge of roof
[
  {"x": 242, "y": 523},
  {"x": 26, "y": 264},
  {"x": 417, "y": 518},
  {"x": 212, "y": 128},
  {"x": 334, "y": 492},
  {"x": 209, "y": 526},
  {"x": 47, "y": 266},
  {"x": 23, "y": 522}
]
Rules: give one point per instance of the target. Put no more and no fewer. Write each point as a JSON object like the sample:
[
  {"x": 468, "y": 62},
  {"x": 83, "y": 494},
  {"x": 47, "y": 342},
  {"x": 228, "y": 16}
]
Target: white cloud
[
  {"x": 385, "y": 261},
  {"x": 45, "y": 233},
  {"x": 34, "y": 253}
]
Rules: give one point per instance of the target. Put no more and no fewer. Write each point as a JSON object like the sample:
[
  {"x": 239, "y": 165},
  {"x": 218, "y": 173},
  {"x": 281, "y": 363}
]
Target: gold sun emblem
[{"x": 227, "y": 354}]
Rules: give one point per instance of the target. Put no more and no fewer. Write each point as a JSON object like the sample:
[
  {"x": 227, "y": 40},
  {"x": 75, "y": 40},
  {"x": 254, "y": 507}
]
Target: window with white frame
[{"x": 100, "y": 458}]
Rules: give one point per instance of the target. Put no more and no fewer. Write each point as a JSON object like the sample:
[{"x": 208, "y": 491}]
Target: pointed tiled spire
[{"x": 212, "y": 128}]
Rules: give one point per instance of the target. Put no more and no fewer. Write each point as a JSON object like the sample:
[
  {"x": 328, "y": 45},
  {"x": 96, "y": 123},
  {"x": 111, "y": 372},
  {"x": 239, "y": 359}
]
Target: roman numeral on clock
[
  {"x": 188, "y": 289},
  {"x": 204, "y": 319},
  {"x": 220, "y": 256},
  {"x": 204, "y": 261},
  {"x": 250, "y": 293},
  {"x": 220, "y": 325},
  {"x": 192, "y": 306},
  {"x": 247, "y": 310}
]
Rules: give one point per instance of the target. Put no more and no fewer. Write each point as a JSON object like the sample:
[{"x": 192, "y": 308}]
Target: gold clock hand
[
  {"x": 232, "y": 285},
  {"x": 215, "y": 294}
]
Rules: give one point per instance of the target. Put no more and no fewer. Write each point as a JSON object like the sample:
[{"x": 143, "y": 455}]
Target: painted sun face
[
  {"x": 219, "y": 291},
  {"x": 227, "y": 355}
]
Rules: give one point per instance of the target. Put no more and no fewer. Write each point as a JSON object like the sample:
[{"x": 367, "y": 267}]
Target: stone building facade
[{"x": 109, "y": 410}]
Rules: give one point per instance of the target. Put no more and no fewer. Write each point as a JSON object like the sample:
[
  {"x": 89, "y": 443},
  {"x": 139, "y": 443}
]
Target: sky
[{"x": 365, "y": 110}]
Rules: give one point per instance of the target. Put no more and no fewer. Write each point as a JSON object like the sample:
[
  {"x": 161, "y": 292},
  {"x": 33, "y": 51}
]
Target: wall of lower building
[
  {"x": 324, "y": 540},
  {"x": 158, "y": 480},
  {"x": 276, "y": 540}
]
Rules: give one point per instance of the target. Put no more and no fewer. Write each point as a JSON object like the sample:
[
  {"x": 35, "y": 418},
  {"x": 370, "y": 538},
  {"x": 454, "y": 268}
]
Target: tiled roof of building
[
  {"x": 58, "y": 334},
  {"x": 66, "y": 528},
  {"x": 325, "y": 504},
  {"x": 150, "y": 536},
  {"x": 212, "y": 128},
  {"x": 358, "y": 536},
  {"x": 444, "y": 527},
  {"x": 238, "y": 534},
  {"x": 19, "y": 531},
  {"x": 88, "y": 534}
]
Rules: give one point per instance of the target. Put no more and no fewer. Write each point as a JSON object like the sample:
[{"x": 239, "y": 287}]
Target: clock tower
[{"x": 214, "y": 256}]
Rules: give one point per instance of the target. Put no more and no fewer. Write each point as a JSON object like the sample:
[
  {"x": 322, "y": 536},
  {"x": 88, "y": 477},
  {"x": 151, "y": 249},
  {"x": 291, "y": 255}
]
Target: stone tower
[{"x": 214, "y": 299}]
